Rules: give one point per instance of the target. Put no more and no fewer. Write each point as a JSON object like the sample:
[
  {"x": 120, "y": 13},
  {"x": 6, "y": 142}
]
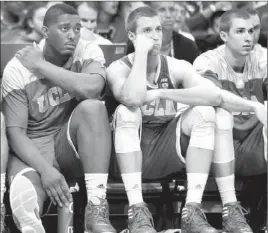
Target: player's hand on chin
[
  {"x": 56, "y": 187},
  {"x": 261, "y": 113},
  {"x": 30, "y": 57}
]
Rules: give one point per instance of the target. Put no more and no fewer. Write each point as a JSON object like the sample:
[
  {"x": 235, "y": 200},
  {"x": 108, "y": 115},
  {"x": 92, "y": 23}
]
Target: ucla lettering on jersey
[{"x": 34, "y": 103}]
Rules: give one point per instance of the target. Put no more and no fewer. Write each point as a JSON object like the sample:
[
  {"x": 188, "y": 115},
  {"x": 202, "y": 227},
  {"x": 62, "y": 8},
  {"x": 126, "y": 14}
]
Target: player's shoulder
[
  {"x": 176, "y": 64},
  {"x": 15, "y": 70},
  {"x": 86, "y": 50},
  {"x": 123, "y": 63}
]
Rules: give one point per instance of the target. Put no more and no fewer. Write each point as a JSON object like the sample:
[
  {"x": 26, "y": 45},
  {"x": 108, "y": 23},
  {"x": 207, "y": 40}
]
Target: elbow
[{"x": 130, "y": 101}]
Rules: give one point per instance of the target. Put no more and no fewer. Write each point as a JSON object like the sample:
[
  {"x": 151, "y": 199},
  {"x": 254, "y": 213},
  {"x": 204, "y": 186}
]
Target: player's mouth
[{"x": 70, "y": 45}]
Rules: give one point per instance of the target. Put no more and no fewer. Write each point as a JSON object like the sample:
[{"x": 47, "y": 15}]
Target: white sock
[
  {"x": 226, "y": 186},
  {"x": 196, "y": 183},
  {"x": 3, "y": 186},
  {"x": 96, "y": 185},
  {"x": 132, "y": 182}
]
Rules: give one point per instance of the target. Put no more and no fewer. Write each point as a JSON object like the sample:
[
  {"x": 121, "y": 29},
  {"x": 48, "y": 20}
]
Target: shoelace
[
  {"x": 100, "y": 211},
  {"x": 140, "y": 220},
  {"x": 238, "y": 211},
  {"x": 201, "y": 220}
]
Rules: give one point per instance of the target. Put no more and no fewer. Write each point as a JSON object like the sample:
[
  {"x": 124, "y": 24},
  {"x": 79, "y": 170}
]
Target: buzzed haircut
[
  {"x": 228, "y": 16},
  {"x": 144, "y": 11},
  {"x": 57, "y": 10}
]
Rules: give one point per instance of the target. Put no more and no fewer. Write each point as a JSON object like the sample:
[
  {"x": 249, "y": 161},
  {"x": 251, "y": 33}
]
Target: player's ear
[
  {"x": 223, "y": 36},
  {"x": 45, "y": 30},
  {"x": 131, "y": 36}
]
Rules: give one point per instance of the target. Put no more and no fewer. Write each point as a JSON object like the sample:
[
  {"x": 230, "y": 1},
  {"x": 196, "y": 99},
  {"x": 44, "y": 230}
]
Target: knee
[
  {"x": 127, "y": 116},
  {"x": 206, "y": 113},
  {"x": 90, "y": 108},
  {"x": 224, "y": 119}
]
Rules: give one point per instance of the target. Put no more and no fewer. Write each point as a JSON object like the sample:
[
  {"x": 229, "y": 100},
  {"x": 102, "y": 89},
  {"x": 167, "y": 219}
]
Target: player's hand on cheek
[
  {"x": 30, "y": 56},
  {"x": 143, "y": 43},
  {"x": 56, "y": 187}
]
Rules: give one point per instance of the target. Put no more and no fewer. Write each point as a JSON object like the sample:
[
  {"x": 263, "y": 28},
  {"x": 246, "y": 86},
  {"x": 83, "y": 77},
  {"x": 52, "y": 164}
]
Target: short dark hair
[
  {"x": 57, "y": 10},
  {"x": 144, "y": 11},
  {"x": 228, "y": 16}
]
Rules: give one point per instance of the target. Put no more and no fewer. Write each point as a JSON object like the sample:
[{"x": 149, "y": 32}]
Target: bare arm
[
  {"x": 26, "y": 150},
  {"x": 196, "y": 91},
  {"x": 85, "y": 85},
  {"x": 129, "y": 88}
]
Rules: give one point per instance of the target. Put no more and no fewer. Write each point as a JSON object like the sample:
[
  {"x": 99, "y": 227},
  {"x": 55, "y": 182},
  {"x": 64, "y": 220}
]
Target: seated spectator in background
[
  {"x": 12, "y": 14},
  {"x": 201, "y": 19},
  {"x": 31, "y": 27},
  {"x": 174, "y": 44},
  {"x": 257, "y": 50},
  {"x": 110, "y": 24},
  {"x": 127, "y": 7},
  {"x": 233, "y": 68},
  {"x": 210, "y": 38},
  {"x": 56, "y": 125},
  {"x": 88, "y": 13},
  {"x": 180, "y": 17}
]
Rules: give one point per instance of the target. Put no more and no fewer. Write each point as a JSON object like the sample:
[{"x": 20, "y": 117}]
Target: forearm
[
  {"x": 234, "y": 103},
  {"x": 199, "y": 95},
  {"x": 134, "y": 89},
  {"x": 27, "y": 151},
  {"x": 151, "y": 95},
  {"x": 80, "y": 85}
]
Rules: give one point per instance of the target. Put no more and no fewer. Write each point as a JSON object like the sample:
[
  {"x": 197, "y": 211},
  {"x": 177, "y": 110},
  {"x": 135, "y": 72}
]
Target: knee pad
[
  {"x": 126, "y": 125},
  {"x": 224, "y": 119},
  {"x": 24, "y": 205},
  {"x": 203, "y": 128}
]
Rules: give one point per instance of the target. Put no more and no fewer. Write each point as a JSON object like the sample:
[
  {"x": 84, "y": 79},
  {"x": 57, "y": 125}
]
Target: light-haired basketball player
[
  {"x": 56, "y": 125},
  {"x": 170, "y": 105},
  {"x": 237, "y": 69}
]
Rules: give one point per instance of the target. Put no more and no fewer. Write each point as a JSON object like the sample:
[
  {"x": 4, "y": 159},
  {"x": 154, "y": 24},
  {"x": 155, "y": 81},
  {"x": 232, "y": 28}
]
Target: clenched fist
[{"x": 143, "y": 43}]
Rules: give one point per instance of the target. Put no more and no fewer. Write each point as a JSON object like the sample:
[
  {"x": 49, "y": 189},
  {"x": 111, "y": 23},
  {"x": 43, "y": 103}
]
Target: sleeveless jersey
[
  {"x": 36, "y": 104},
  {"x": 159, "y": 111},
  {"x": 251, "y": 84}
]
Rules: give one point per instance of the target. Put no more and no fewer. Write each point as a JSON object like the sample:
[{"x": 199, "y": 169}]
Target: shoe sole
[{"x": 24, "y": 205}]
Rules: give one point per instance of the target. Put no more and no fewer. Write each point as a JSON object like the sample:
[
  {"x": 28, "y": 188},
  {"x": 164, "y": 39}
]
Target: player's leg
[
  {"x": 199, "y": 124},
  {"x": 26, "y": 196},
  {"x": 87, "y": 137},
  {"x": 127, "y": 123},
  {"x": 223, "y": 168},
  {"x": 4, "y": 159}
]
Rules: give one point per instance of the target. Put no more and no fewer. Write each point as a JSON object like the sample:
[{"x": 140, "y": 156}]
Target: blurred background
[{"x": 104, "y": 22}]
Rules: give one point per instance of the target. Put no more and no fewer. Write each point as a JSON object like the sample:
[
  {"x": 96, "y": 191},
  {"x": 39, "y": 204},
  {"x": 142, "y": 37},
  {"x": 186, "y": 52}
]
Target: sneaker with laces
[
  {"x": 2, "y": 220},
  {"x": 97, "y": 217},
  {"x": 193, "y": 220},
  {"x": 140, "y": 219},
  {"x": 233, "y": 220}
]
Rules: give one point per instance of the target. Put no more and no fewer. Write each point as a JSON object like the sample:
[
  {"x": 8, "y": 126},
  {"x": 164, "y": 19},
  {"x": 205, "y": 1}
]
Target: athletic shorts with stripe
[{"x": 250, "y": 152}]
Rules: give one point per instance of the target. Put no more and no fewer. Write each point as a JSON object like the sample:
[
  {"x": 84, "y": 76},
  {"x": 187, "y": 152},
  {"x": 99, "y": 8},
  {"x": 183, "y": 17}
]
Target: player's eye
[
  {"x": 64, "y": 29},
  {"x": 84, "y": 20},
  {"x": 78, "y": 29}
]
